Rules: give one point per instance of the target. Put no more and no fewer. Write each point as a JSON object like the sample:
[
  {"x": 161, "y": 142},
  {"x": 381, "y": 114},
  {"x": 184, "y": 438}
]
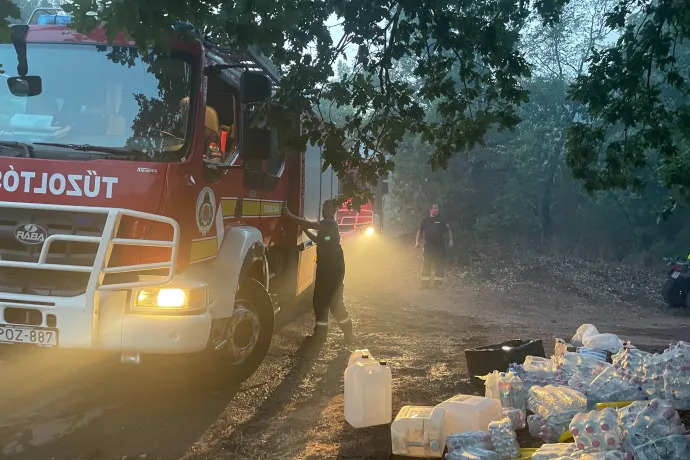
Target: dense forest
[{"x": 517, "y": 190}]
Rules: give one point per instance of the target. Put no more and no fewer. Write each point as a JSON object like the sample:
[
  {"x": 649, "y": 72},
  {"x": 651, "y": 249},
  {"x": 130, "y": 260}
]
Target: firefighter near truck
[{"x": 141, "y": 213}]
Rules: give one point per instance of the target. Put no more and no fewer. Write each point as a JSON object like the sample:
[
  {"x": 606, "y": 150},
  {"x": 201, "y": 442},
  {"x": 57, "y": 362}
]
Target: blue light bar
[{"x": 51, "y": 19}]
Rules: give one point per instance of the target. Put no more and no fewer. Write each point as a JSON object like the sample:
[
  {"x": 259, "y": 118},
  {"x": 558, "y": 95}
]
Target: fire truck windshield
[{"x": 98, "y": 96}]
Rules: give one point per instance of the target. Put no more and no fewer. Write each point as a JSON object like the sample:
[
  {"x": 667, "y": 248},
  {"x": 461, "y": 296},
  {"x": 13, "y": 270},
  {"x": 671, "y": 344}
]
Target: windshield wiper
[
  {"x": 28, "y": 151},
  {"x": 108, "y": 151}
]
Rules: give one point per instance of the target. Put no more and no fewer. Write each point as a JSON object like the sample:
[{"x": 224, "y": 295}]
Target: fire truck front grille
[{"x": 62, "y": 253}]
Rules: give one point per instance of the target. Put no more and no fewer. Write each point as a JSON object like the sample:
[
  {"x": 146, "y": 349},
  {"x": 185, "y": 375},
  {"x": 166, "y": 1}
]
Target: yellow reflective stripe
[
  {"x": 436, "y": 278},
  {"x": 251, "y": 208},
  {"x": 346, "y": 320},
  {"x": 256, "y": 208},
  {"x": 426, "y": 278},
  {"x": 229, "y": 206},
  {"x": 203, "y": 249}
]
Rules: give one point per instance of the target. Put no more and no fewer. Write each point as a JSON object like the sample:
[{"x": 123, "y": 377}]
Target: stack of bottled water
[
  {"x": 597, "y": 430},
  {"x": 550, "y": 428},
  {"x": 554, "y": 451},
  {"x": 464, "y": 441},
  {"x": 540, "y": 372},
  {"x": 552, "y": 399},
  {"x": 504, "y": 439},
  {"x": 610, "y": 386},
  {"x": 664, "y": 374},
  {"x": 602, "y": 455},
  {"x": 669, "y": 447},
  {"x": 656, "y": 420},
  {"x": 578, "y": 363},
  {"x": 630, "y": 364},
  {"x": 628, "y": 414},
  {"x": 517, "y": 417},
  {"x": 473, "y": 453},
  {"x": 677, "y": 385}
]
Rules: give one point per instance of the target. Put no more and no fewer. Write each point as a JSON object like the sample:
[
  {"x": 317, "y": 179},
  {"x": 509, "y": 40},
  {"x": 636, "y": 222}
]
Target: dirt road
[{"x": 76, "y": 407}]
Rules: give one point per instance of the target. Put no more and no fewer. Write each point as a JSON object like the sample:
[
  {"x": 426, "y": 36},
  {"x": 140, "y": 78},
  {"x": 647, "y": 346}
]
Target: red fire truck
[
  {"x": 141, "y": 213},
  {"x": 366, "y": 222}
]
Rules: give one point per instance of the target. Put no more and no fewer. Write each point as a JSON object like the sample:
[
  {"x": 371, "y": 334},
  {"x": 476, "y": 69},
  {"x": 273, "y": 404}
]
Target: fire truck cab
[{"x": 140, "y": 212}]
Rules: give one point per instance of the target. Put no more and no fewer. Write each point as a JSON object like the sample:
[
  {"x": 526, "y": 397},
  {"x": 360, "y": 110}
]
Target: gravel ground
[{"x": 74, "y": 408}]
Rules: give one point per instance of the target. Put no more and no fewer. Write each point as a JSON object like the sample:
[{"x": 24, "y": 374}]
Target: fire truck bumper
[
  {"x": 116, "y": 328},
  {"x": 165, "y": 334}
]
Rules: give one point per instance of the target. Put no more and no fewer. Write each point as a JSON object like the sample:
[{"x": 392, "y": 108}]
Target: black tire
[
  {"x": 253, "y": 298},
  {"x": 672, "y": 294}
]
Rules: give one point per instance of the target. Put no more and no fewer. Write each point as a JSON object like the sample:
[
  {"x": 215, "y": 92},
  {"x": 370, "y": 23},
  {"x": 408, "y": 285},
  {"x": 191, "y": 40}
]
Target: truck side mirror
[
  {"x": 25, "y": 86},
  {"x": 254, "y": 87},
  {"x": 256, "y": 143}
]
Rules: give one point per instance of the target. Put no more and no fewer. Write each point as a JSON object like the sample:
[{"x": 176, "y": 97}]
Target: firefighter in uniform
[
  {"x": 433, "y": 230},
  {"x": 330, "y": 272}
]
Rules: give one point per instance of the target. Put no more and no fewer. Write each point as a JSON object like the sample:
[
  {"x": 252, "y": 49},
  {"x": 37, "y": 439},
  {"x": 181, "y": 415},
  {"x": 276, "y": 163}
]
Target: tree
[
  {"x": 636, "y": 92},
  {"x": 475, "y": 41}
]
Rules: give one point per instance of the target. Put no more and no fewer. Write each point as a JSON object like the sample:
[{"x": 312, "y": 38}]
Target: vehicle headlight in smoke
[{"x": 370, "y": 230}]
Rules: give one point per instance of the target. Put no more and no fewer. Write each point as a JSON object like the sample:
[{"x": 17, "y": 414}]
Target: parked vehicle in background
[
  {"x": 367, "y": 222},
  {"x": 677, "y": 286}
]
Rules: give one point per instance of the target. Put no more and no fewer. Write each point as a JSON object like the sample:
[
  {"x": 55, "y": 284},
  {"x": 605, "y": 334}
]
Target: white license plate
[
  {"x": 28, "y": 334},
  {"x": 675, "y": 275}
]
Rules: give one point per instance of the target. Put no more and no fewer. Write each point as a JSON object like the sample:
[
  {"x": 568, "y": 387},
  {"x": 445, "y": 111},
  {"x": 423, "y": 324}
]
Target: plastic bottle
[
  {"x": 504, "y": 385},
  {"x": 517, "y": 394}
]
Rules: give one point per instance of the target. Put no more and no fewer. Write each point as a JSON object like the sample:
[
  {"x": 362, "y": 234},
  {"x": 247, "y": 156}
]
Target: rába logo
[{"x": 30, "y": 233}]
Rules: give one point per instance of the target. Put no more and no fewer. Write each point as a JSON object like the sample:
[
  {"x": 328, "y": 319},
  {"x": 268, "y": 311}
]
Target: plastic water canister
[
  {"x": 418, "y": 431},
  {"x": 470, "y": 413},
  {"x": 360, "y": 355},
  {"x": 368, "y": 394}
]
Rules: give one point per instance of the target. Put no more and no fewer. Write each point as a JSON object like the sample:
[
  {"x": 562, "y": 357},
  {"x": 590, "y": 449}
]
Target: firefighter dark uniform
[
  {"x": 330, "y": 274},
  {"x": 433, "y": 230}
]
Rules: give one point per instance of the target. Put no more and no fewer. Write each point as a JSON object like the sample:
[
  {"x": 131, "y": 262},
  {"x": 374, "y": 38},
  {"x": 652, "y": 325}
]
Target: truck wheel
[{"x": 248, "y": 333}]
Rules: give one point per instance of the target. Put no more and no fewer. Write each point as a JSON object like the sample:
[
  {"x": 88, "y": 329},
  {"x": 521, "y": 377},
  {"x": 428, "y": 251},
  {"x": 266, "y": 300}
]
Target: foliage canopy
[{"x": 469, "y": 76}]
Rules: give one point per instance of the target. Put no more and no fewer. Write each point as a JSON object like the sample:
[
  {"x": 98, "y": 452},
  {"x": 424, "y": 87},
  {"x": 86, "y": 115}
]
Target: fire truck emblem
[
  {"x": 205, "y": 210},
  {"x": 30, "y": 233}
]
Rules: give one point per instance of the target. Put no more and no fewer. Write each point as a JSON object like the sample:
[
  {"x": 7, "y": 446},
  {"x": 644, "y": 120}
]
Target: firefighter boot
[
  {"x": 346, "y": 327},
  {"x": 319, "y": 336}
]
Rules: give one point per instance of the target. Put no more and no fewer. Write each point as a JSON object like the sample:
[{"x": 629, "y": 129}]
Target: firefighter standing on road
[
  {"x": 433, "y": 230},
  {"x": 330, "y": 272}
]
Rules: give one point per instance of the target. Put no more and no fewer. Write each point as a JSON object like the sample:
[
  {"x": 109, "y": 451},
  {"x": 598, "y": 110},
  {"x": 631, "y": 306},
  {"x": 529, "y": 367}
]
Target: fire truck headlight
[
  {"x": 370, "y": 230},
  {"x": 171, "y": 298}
]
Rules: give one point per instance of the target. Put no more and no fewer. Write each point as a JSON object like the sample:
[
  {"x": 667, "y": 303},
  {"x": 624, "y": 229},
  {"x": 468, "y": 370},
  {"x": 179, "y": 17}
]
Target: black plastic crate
[{"x": 489, "y": 358}]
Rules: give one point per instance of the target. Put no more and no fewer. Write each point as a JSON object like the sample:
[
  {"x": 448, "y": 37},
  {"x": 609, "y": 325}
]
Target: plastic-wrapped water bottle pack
[
  {"x": 553, "y": 451},
  {"x": 677, "y": 385},
  {"x": 538, "y": 371},
  {"x": 609, "y": 386},
  {"x": 657, "y": 420},
  {"x": 518, "y": 417},
  {"x": 548, "y": 400},
  {"x": 667, "y": 448},
  {"x": 628, "y": 414},
  {"x": 473, "y": 453},
  {"x": 597, "y": 430},
  {"x": 462, "y": 441},
  {"x": 504, "y": 439},
  {"x": 550, "y": 429},
  {"x": 571, "y": 363}
]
